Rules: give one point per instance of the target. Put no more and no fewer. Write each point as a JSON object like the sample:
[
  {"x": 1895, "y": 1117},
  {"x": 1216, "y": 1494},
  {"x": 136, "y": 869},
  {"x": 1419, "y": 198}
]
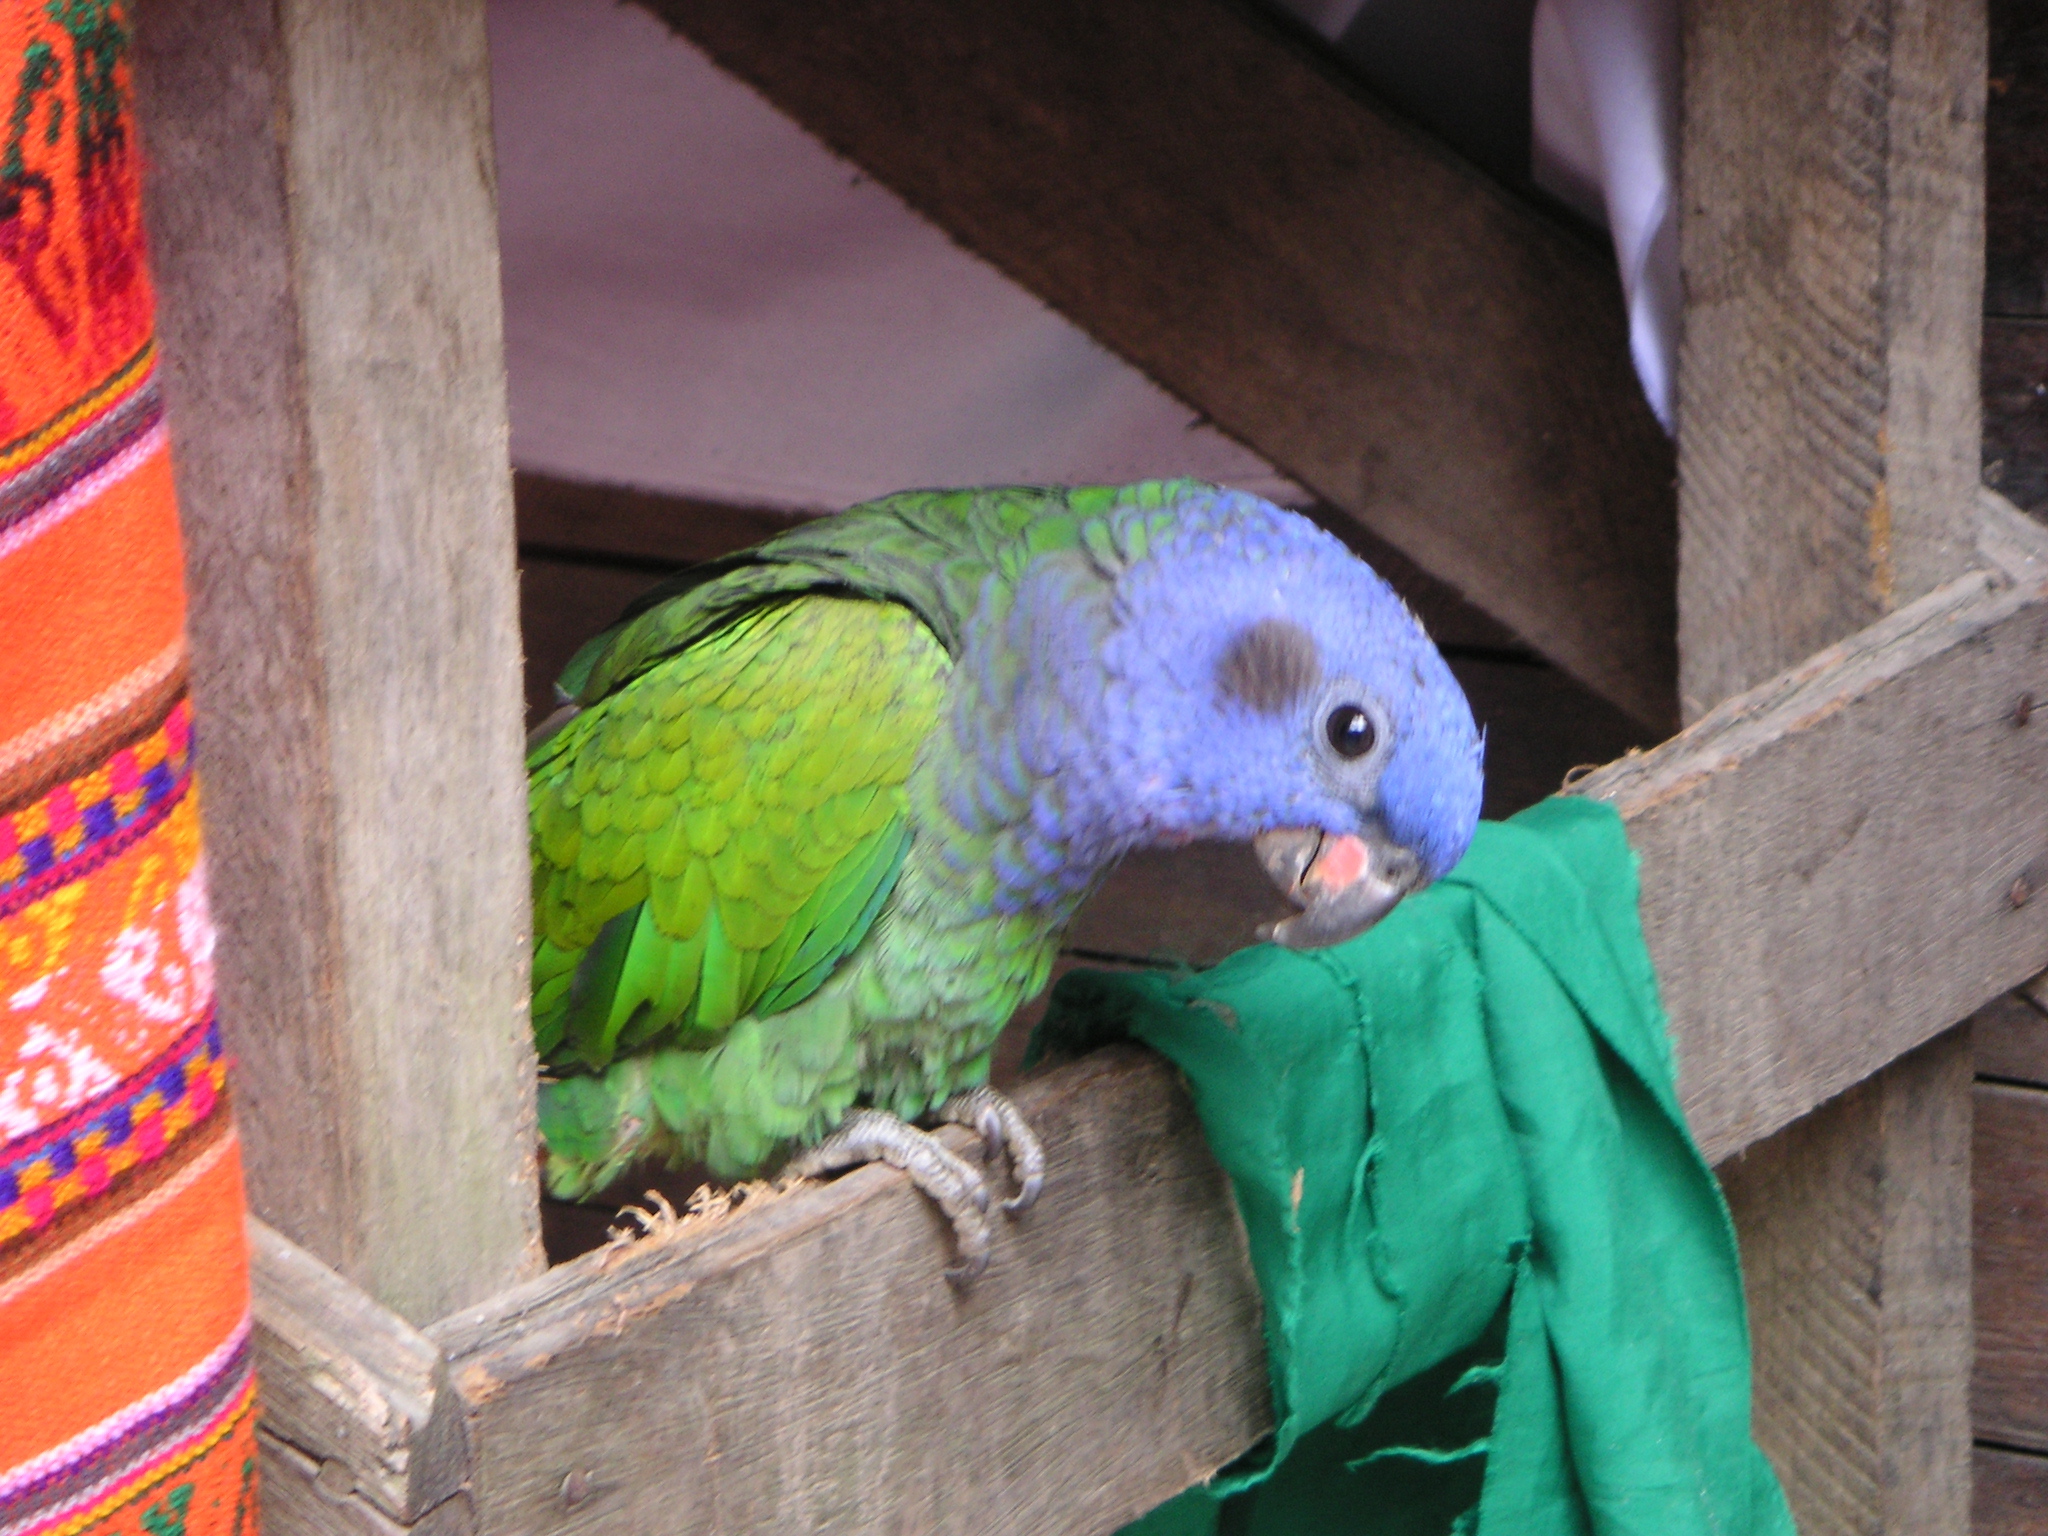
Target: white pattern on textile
[{"x": 54, "y": 1070}]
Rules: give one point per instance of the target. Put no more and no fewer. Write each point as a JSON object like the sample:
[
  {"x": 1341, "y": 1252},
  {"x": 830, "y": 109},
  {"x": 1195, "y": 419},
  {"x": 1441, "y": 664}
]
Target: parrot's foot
[
  {"x": 1003, "y": 1129},
  {"x": 872, "y": 1136}
]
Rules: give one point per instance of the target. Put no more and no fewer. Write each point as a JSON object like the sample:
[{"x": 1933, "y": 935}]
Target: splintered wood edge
[{"x": 350, "y": 1383}]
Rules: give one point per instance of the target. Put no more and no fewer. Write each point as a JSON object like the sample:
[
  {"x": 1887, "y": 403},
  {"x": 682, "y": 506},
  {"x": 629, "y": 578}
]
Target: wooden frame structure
[{"x": 1838, "y": 852}]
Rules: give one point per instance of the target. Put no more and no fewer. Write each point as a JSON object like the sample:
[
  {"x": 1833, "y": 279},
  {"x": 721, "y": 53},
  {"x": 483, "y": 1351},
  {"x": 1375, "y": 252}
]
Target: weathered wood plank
[
  {"x": 2011, "y": 1496},
  {"x": 2010, "y": 1395},
  {"x": 1225, "y": 208},
  {"x": 1856, "y": 1258},
  {"x": 321, "y": 226},
  {"x": 351, "y": 1384},
  {"x": 1833, "y": 252},
  {"x": 1828, "y": 861},
  {"x": 300, "y": 1497},
  {"x": 2012, "y": 1038},
  {"x": 804, "y": 1366}
]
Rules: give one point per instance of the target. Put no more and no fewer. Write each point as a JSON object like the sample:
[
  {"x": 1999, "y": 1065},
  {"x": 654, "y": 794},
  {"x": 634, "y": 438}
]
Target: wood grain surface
[
  {"x": 1856, "y": 1258},
  {"x": 351, "y": 1384},
  {"x": 1219, "y": 203},
  {"x": 2011, "y": 1495},
  {"x": 802, "y": 1364},
  {"x": 2011, "y": 1387},
  {"x": 1828, "y": 860},
  {"x": 322, "y": 232},
  {"x": 1832, "y": 244},
  {"x": 2011, "y": 1032}
]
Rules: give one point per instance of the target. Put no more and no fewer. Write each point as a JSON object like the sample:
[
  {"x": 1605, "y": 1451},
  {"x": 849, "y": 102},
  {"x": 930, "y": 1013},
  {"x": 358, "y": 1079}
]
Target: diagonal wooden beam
[{"x": 1220, "y": 205}]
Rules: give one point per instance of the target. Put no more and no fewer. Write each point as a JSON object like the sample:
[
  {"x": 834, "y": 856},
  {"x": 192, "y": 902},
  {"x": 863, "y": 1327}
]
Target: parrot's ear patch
[{"x": 1271, "y": 666}]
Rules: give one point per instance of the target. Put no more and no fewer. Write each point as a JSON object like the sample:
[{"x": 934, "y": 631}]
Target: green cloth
[{"x": 1501, "y": 1288}]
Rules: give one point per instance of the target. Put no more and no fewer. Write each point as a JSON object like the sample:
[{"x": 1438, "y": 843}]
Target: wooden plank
[
  {"x": 1829, "y": 860},
  {"x": 2010, "y": 1396},
  {"x": 301, "y": 1498},
  {"x": 1856, "y": 1259},
  {"x": 1224, "y": 207},
  {"x": 2012, "y": 1038},
  {"x": 1832, "y": 247},
  {"x": 803, "y": 1365},
  {"x": 571, "y": 519},
  {"x": 322, "y": 231},
  {"x": 563, "y": 516},
  {"x": 2011, "y": 1497},
  {"x": 352, "y": 1385}
]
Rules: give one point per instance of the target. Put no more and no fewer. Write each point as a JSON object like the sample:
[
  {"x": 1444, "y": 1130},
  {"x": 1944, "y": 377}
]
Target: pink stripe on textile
[
  {"x": 165, "y": 1399},
  {"x": 78, "y": 1513},
  {"x": 113, "y": 472}
]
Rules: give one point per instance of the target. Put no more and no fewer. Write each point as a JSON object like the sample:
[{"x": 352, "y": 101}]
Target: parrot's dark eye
[{"x": 1350, "y": 730}]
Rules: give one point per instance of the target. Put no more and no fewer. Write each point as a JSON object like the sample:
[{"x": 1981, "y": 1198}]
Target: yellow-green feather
[{"x": 713, "y": 837}]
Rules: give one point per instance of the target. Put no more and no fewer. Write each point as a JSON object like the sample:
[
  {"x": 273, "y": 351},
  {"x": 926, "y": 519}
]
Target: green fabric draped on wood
[{"x": 1501, "y": 1288}]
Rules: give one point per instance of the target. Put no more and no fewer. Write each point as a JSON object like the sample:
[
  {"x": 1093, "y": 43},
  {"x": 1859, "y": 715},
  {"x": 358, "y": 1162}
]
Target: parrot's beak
[{"x": 1343, "y": 883}]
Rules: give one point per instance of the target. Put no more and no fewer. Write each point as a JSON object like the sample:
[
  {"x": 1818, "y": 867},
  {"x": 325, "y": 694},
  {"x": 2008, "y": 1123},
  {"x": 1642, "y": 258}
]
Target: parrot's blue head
[{"x": 1265, "y": 685}]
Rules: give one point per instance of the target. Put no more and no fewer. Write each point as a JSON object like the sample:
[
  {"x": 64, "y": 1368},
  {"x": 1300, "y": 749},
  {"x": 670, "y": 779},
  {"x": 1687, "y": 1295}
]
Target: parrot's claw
[
  {"x": 1003, "y": 1129},
  {"x": 952, "y": 1184}
]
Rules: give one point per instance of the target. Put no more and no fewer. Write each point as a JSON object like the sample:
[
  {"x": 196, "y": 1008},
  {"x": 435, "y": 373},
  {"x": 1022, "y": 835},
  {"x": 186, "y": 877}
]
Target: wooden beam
[
  {"x": 323, "y": 240},
  {"x": 2011, "y": 1032},
  {"x": 1829, "y": 860},
  {"x": 299, "y": 1499},
  {"x": 1220, "y": 204},
  {"x": 804, "y": 1366},
  {"x": 1855, "y": 1226},
  {"x": 352, "y": 1385},
  {"x": 2011, "y": 1387},
  {"x": 2011, "y": 1496},
  {"x": 1832, "y": 244}
]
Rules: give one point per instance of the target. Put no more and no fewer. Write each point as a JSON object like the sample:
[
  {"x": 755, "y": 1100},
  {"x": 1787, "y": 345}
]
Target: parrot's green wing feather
[
  {"x": 712, "y": 838},
  {"x": 724, "y": 822},
  {"x": 931, "y": 551}
]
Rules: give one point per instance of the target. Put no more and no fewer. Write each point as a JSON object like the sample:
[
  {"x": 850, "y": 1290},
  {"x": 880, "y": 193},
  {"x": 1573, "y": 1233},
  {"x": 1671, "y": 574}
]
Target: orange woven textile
[{"x": 126, "y": 1392}]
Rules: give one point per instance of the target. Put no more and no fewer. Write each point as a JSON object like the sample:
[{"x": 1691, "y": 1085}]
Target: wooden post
[
  {"x": 1832, "y": 241},
  {"x": 321, "y": 216},
  {"x": 1832, "y": 246}
]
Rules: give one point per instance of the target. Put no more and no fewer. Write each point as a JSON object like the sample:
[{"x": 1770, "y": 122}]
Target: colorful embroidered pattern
[
  {"x": 127, "y": 1397},
  {"x": 108, "y": 1460},
  {"x": 79, "y": 825},
  {"x": 89, "y": 1148}
]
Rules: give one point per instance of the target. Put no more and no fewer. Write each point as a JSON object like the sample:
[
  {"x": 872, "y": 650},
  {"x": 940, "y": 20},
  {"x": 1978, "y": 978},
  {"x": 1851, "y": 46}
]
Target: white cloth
[
  {"x": 1604, "y": 90},
  {"x": 701, "y": 299},
  {"x": 1603, "y": 106}
]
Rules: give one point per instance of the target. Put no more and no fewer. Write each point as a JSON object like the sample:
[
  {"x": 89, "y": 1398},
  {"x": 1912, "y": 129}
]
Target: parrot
[{"x": 813, "y": 817}]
